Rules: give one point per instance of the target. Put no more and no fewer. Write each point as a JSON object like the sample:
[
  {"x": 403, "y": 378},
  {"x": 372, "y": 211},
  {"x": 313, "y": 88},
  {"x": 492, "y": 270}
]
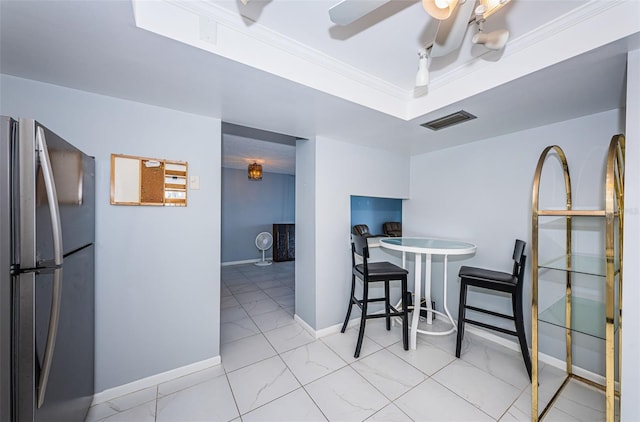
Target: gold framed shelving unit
[{"x": 597, "y": 318}]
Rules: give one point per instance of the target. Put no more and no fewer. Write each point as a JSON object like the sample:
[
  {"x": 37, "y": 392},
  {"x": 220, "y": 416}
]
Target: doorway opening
[{"x": 257, "y": 230}]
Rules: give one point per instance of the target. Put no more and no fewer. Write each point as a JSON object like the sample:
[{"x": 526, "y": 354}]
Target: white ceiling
[
  {"x": 242, "y": 146},
  {"x": 287, "y": 69},
  {"x": 238, "y": 152},
  {"x": 385, "y": 42}
]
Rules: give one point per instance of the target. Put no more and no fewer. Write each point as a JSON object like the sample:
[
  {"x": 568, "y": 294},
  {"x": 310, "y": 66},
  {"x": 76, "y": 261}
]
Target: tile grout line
[
  {"x": 240, "y": 278},
  {"x": 349, "y": 364},
  {"x": 279, "y": 354}
]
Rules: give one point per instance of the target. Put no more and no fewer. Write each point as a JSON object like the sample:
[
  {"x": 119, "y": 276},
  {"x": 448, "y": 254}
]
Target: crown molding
[
  {"x": 208, "y": 26},
  {"x": 576, "y": 16},
  {"x": 264, "y": 35},
  {"x": 563, "y": 38},
  {"x": 268, "y": 50}
]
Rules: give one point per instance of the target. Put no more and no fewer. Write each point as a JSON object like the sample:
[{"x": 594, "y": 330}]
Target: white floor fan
[{"x": 264, "y": 241}]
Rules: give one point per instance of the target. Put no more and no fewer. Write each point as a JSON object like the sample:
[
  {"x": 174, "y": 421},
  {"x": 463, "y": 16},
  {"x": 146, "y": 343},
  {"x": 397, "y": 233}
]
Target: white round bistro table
[{"x": 428, "y": 247}]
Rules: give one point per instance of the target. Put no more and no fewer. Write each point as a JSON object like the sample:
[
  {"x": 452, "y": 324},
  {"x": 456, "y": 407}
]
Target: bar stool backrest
[
  {"x": 360, "y": 247},
  {"x": 519, "y": 259}
]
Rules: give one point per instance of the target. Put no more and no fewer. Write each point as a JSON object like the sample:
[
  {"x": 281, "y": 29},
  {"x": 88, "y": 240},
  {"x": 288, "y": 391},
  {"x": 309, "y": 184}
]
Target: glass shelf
[
  {"x": 583, "y": 264},
  {"x": 587, "y": 312},
  {"x": 578, "y": 222},
  {"x": 588, "y": 316}
]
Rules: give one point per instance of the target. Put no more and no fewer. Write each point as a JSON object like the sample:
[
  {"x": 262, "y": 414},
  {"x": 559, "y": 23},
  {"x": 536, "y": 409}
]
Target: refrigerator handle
[
  {"x": 52, "y": 196},
  {"x": 50, "y": 346},
  {"x": 52, "y": 199}
]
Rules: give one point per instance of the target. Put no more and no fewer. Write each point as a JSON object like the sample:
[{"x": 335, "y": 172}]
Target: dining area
[
  {"x": 386, "y": 382},
  {"x": 405, "y": 265}
]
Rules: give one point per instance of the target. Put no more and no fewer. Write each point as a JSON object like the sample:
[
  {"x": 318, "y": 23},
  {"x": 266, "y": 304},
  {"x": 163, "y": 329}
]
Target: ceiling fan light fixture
[
  {"x": 255, "y": 171},
  {"x": 422, "y": 77},
  {"x": 492, "y": 6},
  {"x": 494, "y": 40},
  {"x": 439, "y": 9}
]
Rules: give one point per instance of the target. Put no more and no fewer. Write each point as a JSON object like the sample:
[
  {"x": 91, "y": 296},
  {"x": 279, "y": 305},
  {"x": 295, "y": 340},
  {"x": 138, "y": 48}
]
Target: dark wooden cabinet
[{"x": 284, "y": 242}]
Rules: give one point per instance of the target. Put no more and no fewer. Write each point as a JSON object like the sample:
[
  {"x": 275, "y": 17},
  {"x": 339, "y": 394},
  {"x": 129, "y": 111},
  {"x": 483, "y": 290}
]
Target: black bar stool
[
  {"x": 371, "y": 272},
  {"x": 498, "y": 281}
]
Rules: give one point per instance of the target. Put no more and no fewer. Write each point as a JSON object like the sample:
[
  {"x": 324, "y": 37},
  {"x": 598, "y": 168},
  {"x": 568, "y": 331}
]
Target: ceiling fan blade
[
  {"x": 348, "y": 11},
  {"x": 451, "y": 31}
]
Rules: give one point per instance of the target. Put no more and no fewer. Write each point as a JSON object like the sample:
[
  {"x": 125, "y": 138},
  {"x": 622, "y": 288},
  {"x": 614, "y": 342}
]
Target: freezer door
[
  {"x": 73, "y": 175},
  {"x": 69, "y": 389}
]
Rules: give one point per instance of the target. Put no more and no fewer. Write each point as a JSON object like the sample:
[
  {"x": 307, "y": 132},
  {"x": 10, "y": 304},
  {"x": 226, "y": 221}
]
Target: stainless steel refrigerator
[{"x": 47, "y": 220}]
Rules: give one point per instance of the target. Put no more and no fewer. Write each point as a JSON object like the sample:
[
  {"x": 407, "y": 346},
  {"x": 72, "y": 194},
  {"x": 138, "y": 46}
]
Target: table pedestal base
[
  {"x": 415, "y": 318},
  {"x": 427, "y": 247}
]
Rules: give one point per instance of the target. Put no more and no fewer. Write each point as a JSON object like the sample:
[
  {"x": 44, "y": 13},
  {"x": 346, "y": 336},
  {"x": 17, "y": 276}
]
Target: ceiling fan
[{"x": 453, "y": 16}]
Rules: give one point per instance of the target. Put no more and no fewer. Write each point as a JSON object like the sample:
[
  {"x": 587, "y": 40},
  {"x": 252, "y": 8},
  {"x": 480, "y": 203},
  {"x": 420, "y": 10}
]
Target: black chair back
[
  {"x": 360, "y": 244},
  {"x": 360, "y": 247},
  {"x": 361, "y": 230},
  {"x": 519, "y": 259},
  {"x": 392, "y": 228}
]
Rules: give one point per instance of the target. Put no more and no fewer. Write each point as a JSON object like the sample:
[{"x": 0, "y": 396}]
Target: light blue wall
[
  {"x": 374, "y": 212},
  {"x": 157, "y": 268},
  {"x": 306, "y": 211},
  {"x": 250, "y": 207},
  {"x": 489, "y": 204},
  {"x": 336, "y": 180}
]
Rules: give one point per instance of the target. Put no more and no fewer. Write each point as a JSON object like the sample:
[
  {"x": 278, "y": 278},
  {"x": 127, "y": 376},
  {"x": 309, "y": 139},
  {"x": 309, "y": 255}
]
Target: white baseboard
[
  {"x": 121, "y": 390},
  {"x": 246, "y": 261},
  {"x": 336, "y": 328},
  {"x": 509, "y": 344},
  {"x": 542, "y": 357},
  {"x": 325, "y": 331},
  {"x": 306, "y": 326}
]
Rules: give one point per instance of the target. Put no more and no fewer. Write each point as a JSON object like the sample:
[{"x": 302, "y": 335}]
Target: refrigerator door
[
  {"x": 70, "y": 385},
  {"x": 69, "y": 389},
  {"x": 73, "y": 175},
  {"x": 7, "y": 259},
  {"x": 54, "y": 289}
]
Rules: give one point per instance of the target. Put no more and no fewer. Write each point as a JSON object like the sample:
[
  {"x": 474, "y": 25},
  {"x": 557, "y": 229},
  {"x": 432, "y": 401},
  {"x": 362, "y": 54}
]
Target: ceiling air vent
[{"x": 450, "y": 120}]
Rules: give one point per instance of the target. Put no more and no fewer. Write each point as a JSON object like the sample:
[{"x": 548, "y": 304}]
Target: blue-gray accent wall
[
  {"x": 375, "y": 211},
  {"x": 250, "y": 207}
]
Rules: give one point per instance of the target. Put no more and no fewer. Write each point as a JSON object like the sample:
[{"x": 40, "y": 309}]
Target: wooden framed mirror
[{"x": 148, "y": 181}]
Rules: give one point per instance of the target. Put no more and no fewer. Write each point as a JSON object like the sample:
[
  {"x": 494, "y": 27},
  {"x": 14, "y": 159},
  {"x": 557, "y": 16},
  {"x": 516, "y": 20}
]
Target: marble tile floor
[{"x": 274, "y": 370}]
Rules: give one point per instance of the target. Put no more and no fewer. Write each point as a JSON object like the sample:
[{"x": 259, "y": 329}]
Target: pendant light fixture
[{"x": 255, "y": 171}]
